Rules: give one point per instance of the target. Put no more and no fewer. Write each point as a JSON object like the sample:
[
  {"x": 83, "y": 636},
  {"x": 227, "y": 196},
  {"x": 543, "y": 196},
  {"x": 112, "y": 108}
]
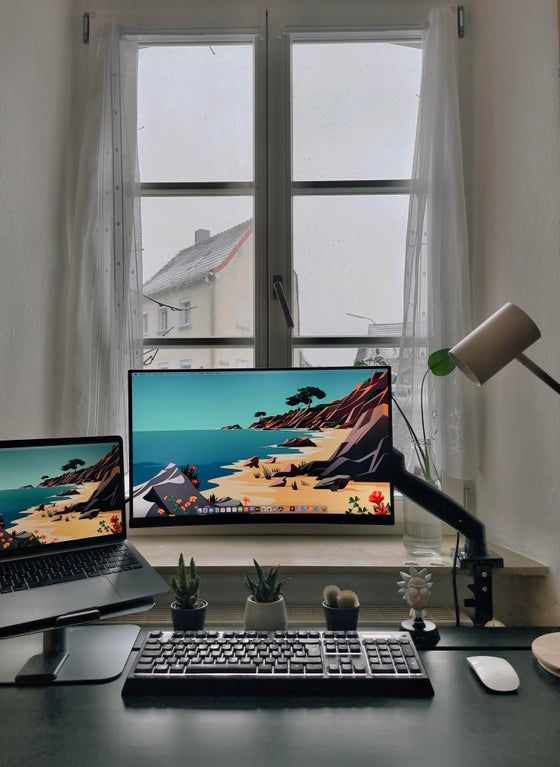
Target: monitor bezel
[
  {"x": 205, "y": 520},
  {"x": 101, "y": 540}
]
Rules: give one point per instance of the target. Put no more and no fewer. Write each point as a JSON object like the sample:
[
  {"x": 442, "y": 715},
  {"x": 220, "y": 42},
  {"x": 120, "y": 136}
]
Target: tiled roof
[{"x": 192, "y": 264}]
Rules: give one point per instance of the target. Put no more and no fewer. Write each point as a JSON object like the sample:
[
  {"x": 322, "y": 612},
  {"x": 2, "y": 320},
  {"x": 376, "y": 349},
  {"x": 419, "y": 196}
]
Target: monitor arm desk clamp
[{"x": 475, "y": 554}]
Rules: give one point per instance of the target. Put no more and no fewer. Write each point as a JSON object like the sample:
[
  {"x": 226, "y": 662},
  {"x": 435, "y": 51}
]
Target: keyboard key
[
  {"x": 223, "y": 668},
  {"x": 314, "y": 668},
  {"x": 381, "y": 668}
]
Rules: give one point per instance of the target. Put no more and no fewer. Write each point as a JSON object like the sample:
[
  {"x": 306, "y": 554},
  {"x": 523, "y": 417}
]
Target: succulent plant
[
  {"x": 185, "y": 585},
  {"x": 268, "y": 587},
  {"x": 330, "y": 595},
  {"x": 342, "y": 600},
  {"x": 347, "y": 600}
]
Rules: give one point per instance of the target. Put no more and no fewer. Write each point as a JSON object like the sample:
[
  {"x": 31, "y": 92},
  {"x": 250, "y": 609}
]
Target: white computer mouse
[{"x": 495, "y": 673}]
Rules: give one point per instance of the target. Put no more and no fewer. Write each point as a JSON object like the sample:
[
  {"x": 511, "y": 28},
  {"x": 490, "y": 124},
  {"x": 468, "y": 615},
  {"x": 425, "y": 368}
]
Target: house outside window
[{"x": 304, "y": 181}]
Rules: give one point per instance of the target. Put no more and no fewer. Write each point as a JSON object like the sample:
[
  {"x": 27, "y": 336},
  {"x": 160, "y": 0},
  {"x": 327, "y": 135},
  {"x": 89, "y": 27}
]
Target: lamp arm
[
  {"x": 441, "y": 506},
  {"x": 538, "y": 371}
]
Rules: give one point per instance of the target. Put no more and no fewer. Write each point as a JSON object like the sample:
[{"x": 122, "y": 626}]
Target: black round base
[{"x": 424, "y": 633}]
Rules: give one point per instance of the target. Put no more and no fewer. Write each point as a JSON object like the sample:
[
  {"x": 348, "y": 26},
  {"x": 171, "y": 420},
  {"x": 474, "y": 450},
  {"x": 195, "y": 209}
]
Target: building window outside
[
  {"x": 185, "y": 319},
  {"x": 344, "y": 138},
  {"x": 162, "y": 320},
  {"x": 145, "y": 320}
]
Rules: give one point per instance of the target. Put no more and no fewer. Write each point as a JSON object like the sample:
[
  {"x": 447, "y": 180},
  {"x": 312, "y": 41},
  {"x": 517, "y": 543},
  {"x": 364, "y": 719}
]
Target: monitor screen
[
  {"x": 237, "y": 446},
  {"x": 60, "y": 492}
]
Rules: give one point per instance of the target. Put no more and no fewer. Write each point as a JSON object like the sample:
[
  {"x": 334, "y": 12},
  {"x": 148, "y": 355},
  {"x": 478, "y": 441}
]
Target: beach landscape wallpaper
[
  {"x": 300, "y": 441},
  {"x": 58, "y": 493}
]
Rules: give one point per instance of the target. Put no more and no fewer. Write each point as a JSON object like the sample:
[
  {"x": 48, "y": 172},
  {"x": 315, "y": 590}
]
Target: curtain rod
[{"x": 460, "y": 24}]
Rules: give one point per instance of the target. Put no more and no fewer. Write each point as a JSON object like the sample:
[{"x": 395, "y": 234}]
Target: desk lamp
[
  {"x": 491, "y": 346},
  {"x": 500, "y": 339}
]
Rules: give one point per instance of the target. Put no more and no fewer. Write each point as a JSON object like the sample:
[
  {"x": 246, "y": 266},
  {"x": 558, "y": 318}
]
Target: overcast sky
[{"x": 354, "y": 116}]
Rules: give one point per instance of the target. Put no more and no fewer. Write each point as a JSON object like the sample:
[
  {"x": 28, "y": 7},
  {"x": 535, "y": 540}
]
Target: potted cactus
[
  {"x": 188, "y": 611},
  {"x": 265, "y": 609},
  {"x": 341, "y": 609}
]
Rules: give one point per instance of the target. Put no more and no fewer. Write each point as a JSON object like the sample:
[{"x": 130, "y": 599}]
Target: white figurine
[{"x": 416, "y": 588}]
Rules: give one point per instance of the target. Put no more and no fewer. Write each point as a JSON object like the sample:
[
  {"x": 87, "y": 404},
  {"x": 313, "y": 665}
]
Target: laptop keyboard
[{"x": 39, "y": 571}]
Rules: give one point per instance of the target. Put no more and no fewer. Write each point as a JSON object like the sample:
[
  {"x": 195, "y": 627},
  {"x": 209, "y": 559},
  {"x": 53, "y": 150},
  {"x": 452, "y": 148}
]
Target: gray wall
[{"x": 515, "y": 208}]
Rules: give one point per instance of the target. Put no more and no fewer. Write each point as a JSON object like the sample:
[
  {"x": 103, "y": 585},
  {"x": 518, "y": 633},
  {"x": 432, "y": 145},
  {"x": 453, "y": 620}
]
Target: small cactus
[
  {"x": 185, "y": 584},
  {"x": 343, "y": 600},
  {"x": 347, "y": 600},
  {"x": 330, "y": 595}
]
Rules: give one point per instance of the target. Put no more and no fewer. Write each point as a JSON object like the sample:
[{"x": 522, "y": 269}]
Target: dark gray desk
[{"x": 90, "y": 725}]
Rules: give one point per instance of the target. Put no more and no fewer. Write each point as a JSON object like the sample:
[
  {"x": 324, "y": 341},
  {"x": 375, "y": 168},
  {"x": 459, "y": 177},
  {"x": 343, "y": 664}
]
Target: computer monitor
[{"x": 309, "y": 445}]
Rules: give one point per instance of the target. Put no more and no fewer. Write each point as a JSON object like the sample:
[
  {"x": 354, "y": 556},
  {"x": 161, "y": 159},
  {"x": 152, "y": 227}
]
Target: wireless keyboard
[{"x": 267, "y": 663}]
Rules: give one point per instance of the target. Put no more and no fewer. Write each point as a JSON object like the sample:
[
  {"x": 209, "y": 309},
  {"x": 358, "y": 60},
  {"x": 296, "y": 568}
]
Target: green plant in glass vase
[{"x": 422, "y": 531}]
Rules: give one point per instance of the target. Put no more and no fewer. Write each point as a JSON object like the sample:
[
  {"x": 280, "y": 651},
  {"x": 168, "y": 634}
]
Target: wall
[
  {"x": 515, "y": 244},
  {"x": 510, "y": 110},
  {"x": 35, "y": 71}
]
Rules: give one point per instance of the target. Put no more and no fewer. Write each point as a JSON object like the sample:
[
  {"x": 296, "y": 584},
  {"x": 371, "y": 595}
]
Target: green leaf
[{"x": 440, "y": 363}]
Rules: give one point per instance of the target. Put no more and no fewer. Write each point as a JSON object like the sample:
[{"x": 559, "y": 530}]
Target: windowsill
[{"x": 222, "y": 554}]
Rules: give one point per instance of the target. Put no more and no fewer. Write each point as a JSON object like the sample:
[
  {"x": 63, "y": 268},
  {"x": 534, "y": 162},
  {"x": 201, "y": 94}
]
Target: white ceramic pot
[{"x": 265, "y": 616}]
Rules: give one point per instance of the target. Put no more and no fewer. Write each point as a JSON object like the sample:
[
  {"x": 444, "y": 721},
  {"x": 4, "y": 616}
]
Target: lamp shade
[{"x": 494, "y": 343}]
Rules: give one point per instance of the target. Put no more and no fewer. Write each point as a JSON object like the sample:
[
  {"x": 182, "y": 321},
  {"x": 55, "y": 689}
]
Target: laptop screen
[{"x": 57, "y": 493}]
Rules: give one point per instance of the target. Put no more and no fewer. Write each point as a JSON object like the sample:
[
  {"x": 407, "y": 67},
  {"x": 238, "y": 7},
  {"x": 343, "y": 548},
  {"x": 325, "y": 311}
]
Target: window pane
[
  {"x": 349, "y": 260},
  {"x": 198, "y": 256},
  {"x": 354, "y": 109},
  {"x": 195, "y": 112},
  {"x": 325, "y": 357},
  {"x": 185, "y": 358}
]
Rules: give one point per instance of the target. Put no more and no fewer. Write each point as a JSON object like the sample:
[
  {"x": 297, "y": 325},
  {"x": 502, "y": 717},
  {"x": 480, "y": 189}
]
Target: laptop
[{"x": 64, "y": 557}]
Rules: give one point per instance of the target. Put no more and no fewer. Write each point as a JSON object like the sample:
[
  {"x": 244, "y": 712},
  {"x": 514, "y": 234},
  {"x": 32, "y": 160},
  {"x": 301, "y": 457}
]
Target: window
[
  {"x": 185, "y": 321},
  {"x": 280, "y": 155},
  {"x": 145, "y": 323},
  {"x": 162, "y": 320}
]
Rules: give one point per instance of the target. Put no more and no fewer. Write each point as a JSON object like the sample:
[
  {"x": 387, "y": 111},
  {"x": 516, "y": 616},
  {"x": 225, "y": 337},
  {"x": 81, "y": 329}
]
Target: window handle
[{"x": 279, "y": 293}]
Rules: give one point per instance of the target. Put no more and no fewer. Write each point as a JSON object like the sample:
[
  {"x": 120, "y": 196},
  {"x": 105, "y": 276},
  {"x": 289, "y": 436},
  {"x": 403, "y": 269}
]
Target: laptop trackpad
[{"x": 72, "y": 597}]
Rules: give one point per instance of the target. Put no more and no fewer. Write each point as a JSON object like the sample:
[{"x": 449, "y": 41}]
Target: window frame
[{"x": 273, "y": 343}]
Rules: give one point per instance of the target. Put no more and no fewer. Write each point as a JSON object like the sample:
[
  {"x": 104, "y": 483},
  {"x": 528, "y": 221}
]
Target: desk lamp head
[{"x": 500, "y": 339}]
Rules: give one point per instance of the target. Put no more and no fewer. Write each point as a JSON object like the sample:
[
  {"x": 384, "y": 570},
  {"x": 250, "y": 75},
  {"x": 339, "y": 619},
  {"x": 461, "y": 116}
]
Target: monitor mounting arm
[{"x": 475, "y": 554}]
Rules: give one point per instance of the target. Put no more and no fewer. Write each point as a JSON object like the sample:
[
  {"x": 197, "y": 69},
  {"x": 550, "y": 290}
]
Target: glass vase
[{"x": 422, "y": 535}]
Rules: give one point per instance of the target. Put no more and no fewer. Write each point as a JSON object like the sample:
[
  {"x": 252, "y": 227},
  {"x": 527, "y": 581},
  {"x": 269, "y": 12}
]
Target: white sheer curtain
[
  {"x": 103, "y": 314},
  {"x": 437, "y": 299}
]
